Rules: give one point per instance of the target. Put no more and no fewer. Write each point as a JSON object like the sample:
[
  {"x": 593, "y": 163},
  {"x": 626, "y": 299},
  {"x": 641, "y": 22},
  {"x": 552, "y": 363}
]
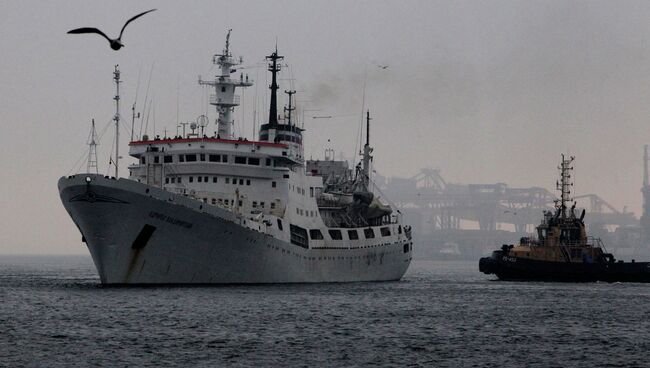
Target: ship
[
  {"x": 562, "y": 250},
  {"x": 220, "y": 209}
]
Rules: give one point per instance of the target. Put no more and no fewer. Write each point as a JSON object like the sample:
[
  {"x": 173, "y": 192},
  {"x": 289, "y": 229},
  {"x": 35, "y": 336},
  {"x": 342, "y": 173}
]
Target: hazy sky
[{"x": 486, "y": 91}]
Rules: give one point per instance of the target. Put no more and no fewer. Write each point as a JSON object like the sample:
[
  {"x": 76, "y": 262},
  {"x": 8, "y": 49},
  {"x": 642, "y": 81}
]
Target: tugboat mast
[{"x": 565, "y": 184}]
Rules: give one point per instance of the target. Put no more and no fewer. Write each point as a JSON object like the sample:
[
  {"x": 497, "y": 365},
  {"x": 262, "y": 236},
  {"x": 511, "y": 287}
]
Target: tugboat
[{"x": 562, "y": 250}]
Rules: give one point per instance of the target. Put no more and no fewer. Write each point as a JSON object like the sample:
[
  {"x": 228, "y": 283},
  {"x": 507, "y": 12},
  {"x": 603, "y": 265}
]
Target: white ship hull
[{"x": 192, "y": 242}]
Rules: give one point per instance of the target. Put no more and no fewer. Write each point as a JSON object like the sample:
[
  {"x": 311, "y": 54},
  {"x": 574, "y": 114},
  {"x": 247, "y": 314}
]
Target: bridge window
[
  {"x": 179, "y": 180},
  {"x": 253, "y": 161},
  {"x": 166, "y": 180},
  {"x": 191, "y": 179},
  {"x": 248, "y": 182},
  {"x": 315, "y": 234},
  {"x": 214, "y": 179},
  {"x": 181, "y": 158},
  {"x": 273, "y": 184},
  {"x": 268, "y": 162},
  {"x": 190, "y": 158},
  {"x": 240, "y": 160},
  {"x": 173, "y": 180},
  {"x": 198, "y": 179},
  {"x": 224, "y": 158},
  {"x": 241, "y": 181},
  {"x": 167, "y": 159},
  {"x": 385, "y": 231},
  {"x": 369, "y": 233},
  {"x": 214, "y": 158},
  {"x": 205, "y": 179},
  {"x": 143, "y": 160},
  {"x": 335, "y": 234},
  {"x": 202, "y": 157},
  {"x": 353, "y": 234}
]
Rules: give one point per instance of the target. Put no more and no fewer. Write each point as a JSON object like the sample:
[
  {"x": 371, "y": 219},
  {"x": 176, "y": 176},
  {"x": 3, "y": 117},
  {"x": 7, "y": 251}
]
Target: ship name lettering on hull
[{"x": 171, "y": 220}]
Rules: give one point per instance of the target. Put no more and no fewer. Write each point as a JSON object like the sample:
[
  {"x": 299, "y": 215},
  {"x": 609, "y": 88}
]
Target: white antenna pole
[{"x": 116, "y": 77}]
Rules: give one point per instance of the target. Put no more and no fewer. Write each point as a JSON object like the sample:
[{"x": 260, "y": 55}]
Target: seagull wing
[
  {"x": 89, "y": 30},
  {"x": 131, "y": 20}
]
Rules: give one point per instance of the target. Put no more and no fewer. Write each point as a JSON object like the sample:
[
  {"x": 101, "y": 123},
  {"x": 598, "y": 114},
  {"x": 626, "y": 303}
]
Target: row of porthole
[{"x": 340, "y": 258}]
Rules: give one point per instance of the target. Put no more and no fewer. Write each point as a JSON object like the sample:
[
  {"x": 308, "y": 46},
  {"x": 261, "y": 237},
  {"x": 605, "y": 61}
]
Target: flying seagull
[{"x": 116, "y": 44}]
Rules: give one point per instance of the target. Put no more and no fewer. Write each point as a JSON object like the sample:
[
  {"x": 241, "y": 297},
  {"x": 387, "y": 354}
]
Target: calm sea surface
[{"x": 53, "y": 313}]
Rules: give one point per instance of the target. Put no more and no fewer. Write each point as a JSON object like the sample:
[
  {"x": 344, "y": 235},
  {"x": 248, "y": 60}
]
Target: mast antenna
[
  {"x": 116, "y": 78},
  {"x": 92, "y": 150},
  {"x": 565, "y": 184},
  {"x": 288, "y": 110}
]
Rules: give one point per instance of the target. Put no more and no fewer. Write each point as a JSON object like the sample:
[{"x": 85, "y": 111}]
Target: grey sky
[{"x": 486, "y": 91}]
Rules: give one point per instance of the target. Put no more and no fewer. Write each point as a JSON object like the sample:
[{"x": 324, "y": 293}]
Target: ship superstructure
[{"x": 220, "y": 209}]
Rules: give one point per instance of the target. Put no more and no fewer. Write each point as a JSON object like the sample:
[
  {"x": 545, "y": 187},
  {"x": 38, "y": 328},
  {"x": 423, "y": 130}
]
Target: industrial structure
[{"x": 468, "y": 220}]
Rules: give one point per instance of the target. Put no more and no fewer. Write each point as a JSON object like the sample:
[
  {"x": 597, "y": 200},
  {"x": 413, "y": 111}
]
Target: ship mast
[
  {"x": 564, "y": 185},
  {"x": 366, "y": 153},
  {"x": 645, "y": 190},
  {"x": 116, "y": 77},
  {"x": 92, "y": 150},
  {"x": 288, "y": 110},
  {"x": 225, "y": 98},
  {"x": 274, "y": 68}
]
